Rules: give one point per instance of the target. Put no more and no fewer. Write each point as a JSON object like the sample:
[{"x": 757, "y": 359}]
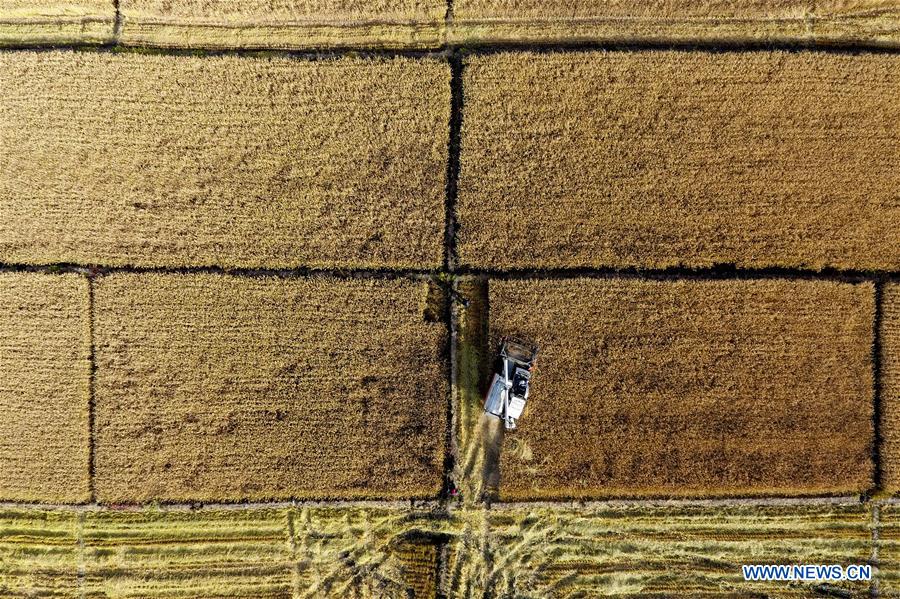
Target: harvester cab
[{"x": 508, "y": 393}]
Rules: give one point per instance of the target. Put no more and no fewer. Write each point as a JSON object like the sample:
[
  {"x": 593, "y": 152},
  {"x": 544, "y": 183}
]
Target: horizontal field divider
[
  {"x": 429, "y": 504},
  {"x": 681, "y": 273},
  {"x": 677, "y": 273},
  {"x": 337, "y": 273},
  {"x": 474, "y": 48},
  {"x": 443, "y": 507}
]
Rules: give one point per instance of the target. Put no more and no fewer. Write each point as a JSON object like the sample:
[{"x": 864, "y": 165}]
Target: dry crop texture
[
  {"x": 872, "y": 21},
  {"x": 283, "y": 24},
  {"x": 217, "y": 553},
  {"x": 889, "y": 550},
  {"x": 659, "y": 388},
  {"x": 420, "y": 561},
  {"x": 658, "y": 159},
  {"x": 214, "y": 387},
  {"x": 890, "y": 386},
  {"x": 652, "y": 552},
  {"x": 27, "y": 22},
  {"x": 39, "y": 553},
  {"x": 44, "y": 387},
  {"x": 136, "y": 159},
  {"x": 366, "y": 553},
  {"x": 351, "y": 552},
  {"x": 209, "y": 554}
]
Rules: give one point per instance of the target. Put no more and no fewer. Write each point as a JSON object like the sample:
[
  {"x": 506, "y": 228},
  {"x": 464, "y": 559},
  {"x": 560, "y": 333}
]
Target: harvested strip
[
  {"x": 690, "y": 388},
  {"x": 38, "y": 553},
  {"x": 889, "y": 550},
  {"x": 365, "y": 552},
  {"x": 37, "y": 22},
  {"x": 663, "y": 159},
  {"x": 264, "y": 553},
  {"x": 44, "y": 387},
  {"x": 890, "y": 386},
  {"x": 278, "y": 24},
  {"x": 219, "y": 388},
  {"x": 218, "y": 553},
  {"x": 148, "y": 160},
  {"x": 181, "y": 555},
  {"x": 636, "y": 551},
  {"x": 473, "y": 369},
  {"x": 486, "y": 21}
]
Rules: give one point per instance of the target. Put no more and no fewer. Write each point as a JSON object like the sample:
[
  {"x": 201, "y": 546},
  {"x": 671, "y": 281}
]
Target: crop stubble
[
  {"x": 259, "y": 553},
  {"x": 44, "y": 387},
  {"x": 279, "y": 24},
  {"x": 868, "y": 21},
  {"x": 187, "y": 554},
  {"x": 652, "y": 551},
  {"x": 232, "y": 161},
  {"x": 320, "y": 24},
  {"x": 36, "y": 22},
  {"x": 690, "y": 388},
  {"x": 313, "y": 552},
  {"x": 224, "y": 388},
  {"x": 889, "y": 550},
  {"x": 666, "y": 158},
  {"x": 38, "y": 553}
]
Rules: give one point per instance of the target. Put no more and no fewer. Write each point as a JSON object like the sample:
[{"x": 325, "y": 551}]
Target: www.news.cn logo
[{"x": 807, "y": 572}]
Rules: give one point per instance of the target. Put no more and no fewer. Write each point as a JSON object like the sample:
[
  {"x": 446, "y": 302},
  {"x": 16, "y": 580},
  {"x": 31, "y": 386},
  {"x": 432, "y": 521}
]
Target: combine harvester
[{"x": 508, "y": 393}]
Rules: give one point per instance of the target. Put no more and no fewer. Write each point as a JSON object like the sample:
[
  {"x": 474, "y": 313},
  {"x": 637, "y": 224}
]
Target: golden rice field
[
  {"x": 492, "y": 21},
  {"x": 266, "y": 24},
  {"x": 213, "y": 290},
  {"x": 220, "y": 388},
  {"x": 38, "y": 22},
  {"x": 133, "y": 159},
  {"x": 690, "y": 388},
  {"x": 663, "y": 159},
  {"x": 44, "y": 387},
  {"x": 890, "y": 385}
]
